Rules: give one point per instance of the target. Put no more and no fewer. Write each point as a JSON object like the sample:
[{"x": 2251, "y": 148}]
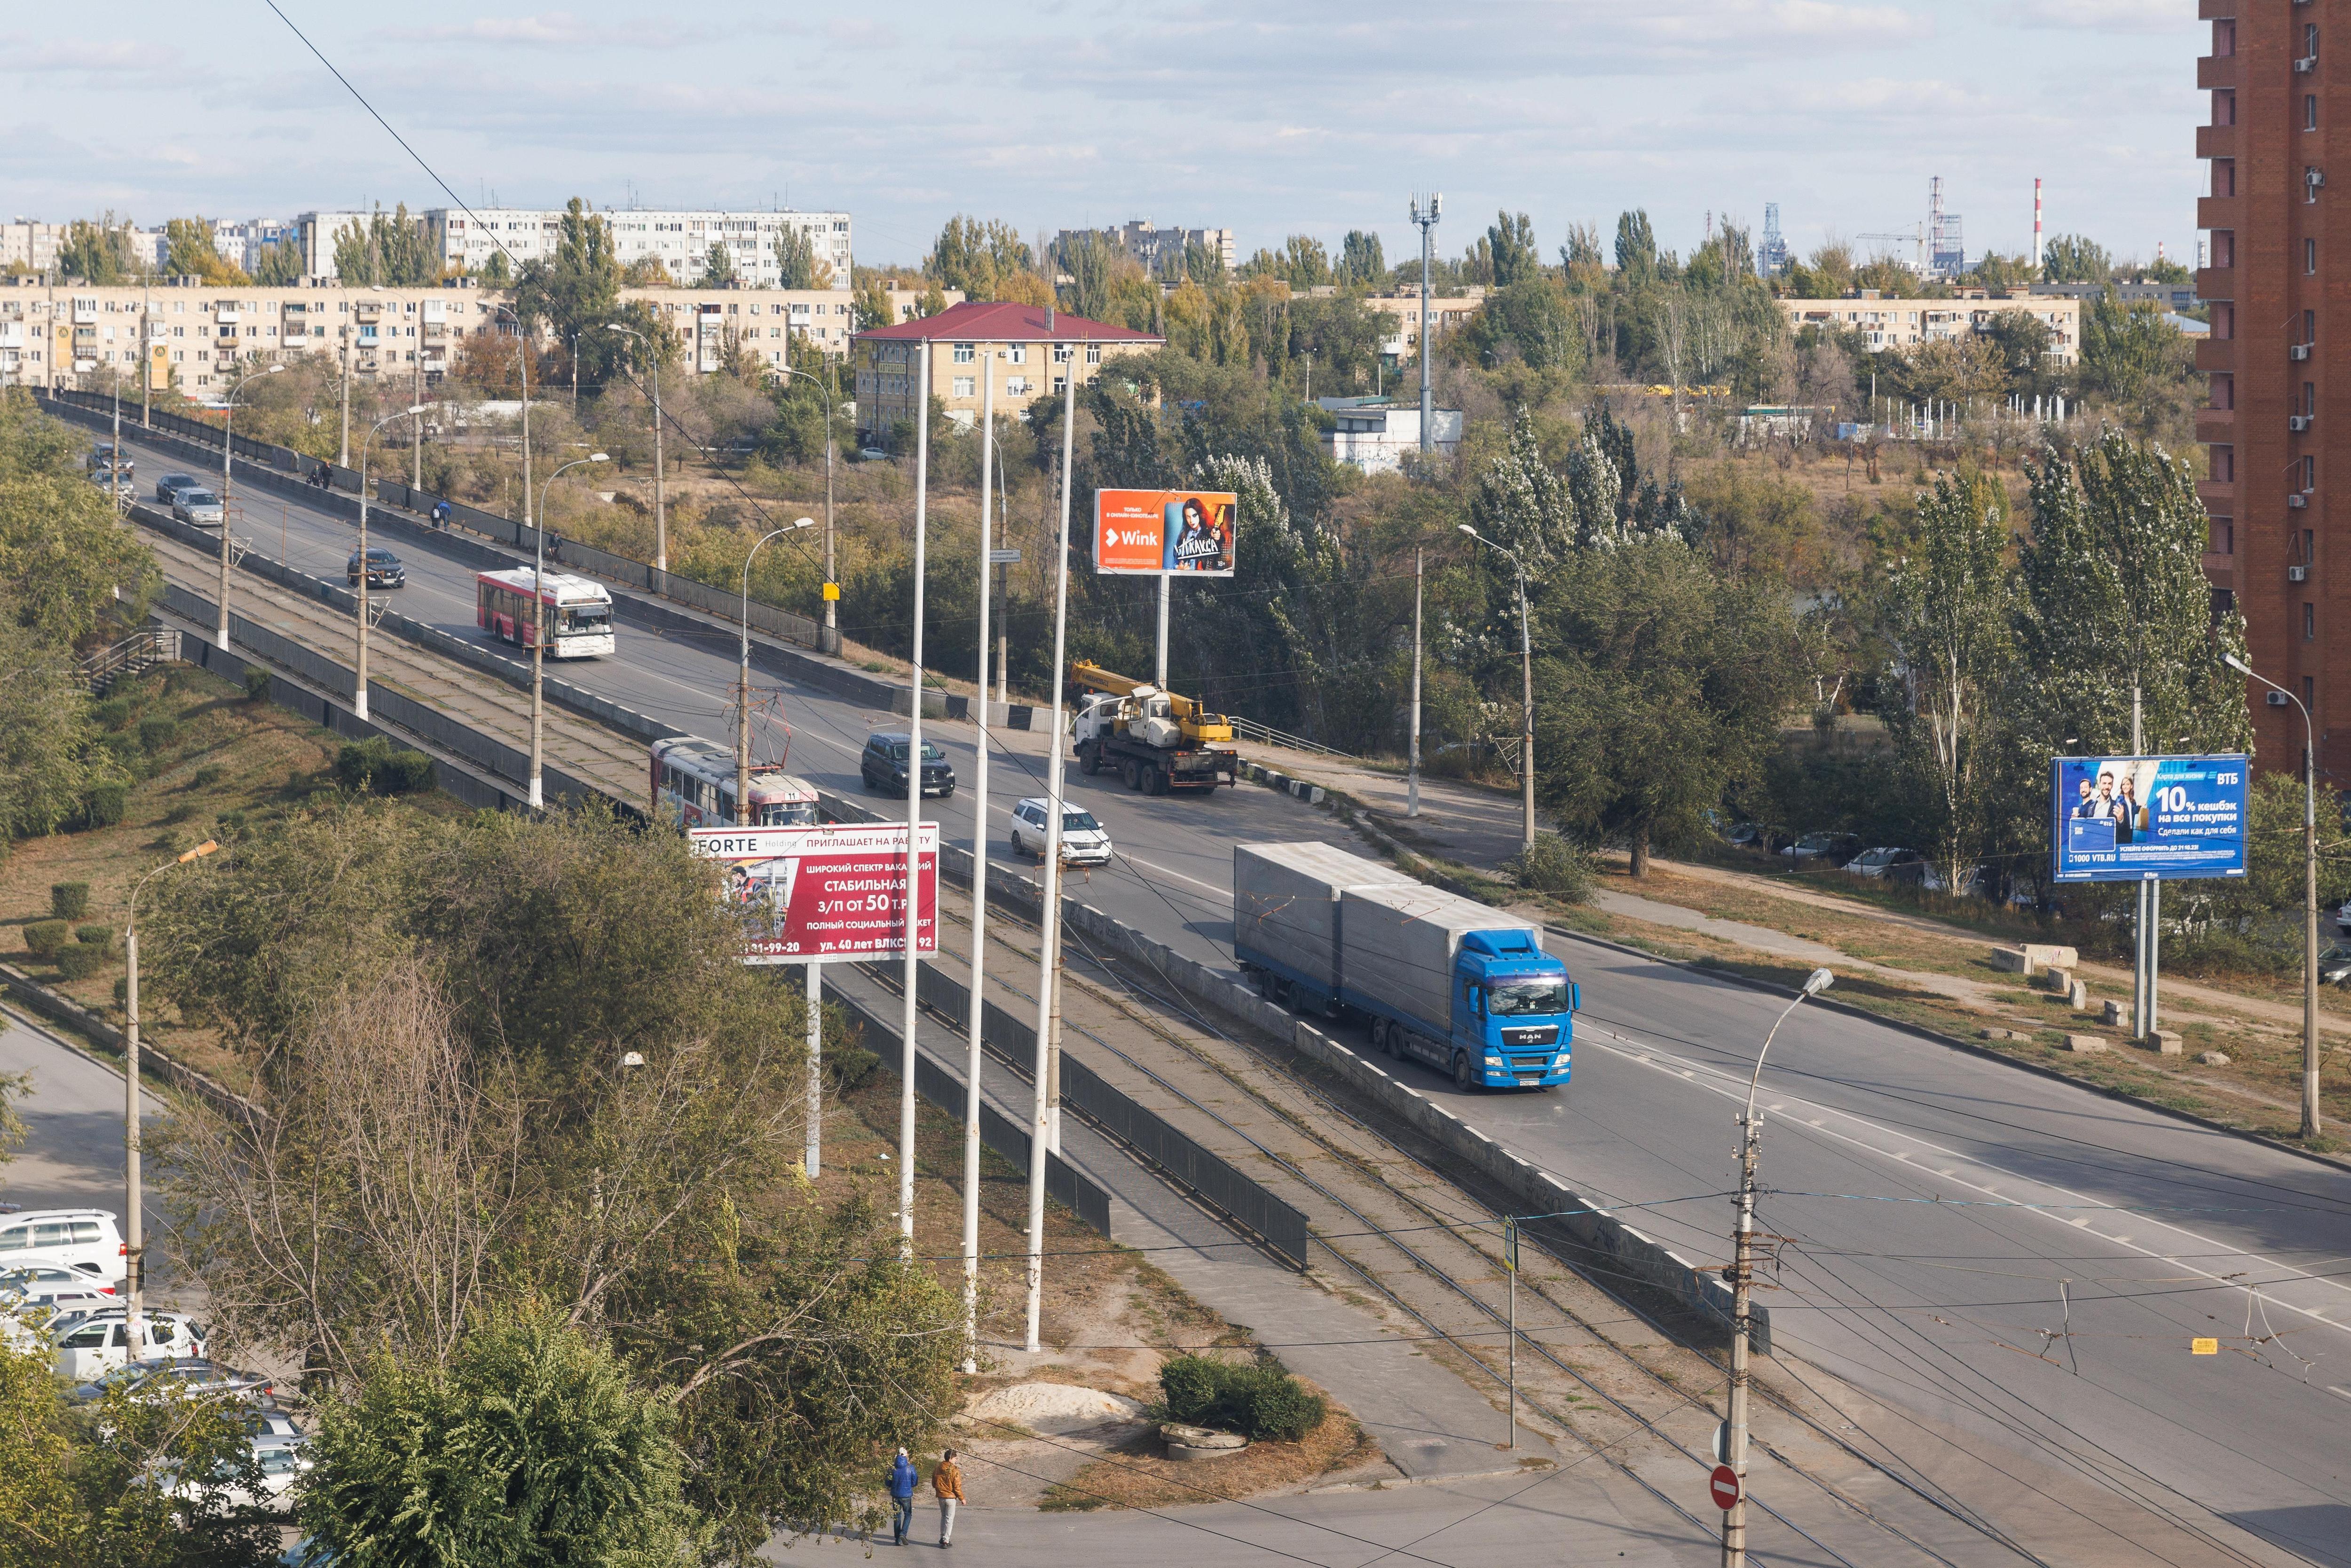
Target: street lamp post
[
  {"x": 134, "y": 1233},
  {"x": 660, "y": 513},
  {"x": 2309, "y": 897},
  {"x": 359, "y": 689},
  {"x": 538, "y": 623},
  {"x": 743, "y": 818},
  {"x": 828, "y": 640},
  {"x": 228, "y": 451},
  {"x": 1527, "y": 694},
  {"x": 1734, "y": 1518}
]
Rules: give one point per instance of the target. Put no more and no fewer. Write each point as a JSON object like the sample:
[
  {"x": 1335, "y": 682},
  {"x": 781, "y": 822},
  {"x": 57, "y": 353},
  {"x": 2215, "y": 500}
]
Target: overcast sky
[{"x": 1269, "y": 119}]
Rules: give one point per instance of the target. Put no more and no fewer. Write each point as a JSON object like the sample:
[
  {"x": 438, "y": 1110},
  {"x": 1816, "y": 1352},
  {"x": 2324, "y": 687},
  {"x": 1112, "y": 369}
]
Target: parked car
[
  {"x": 872, "y": 454},
  {"x": 384, "y": 570},
  {"x": 82, "y": 1239},
  {"x": 1084, "y": 841},
  {"x": 168, "y": 489},
  {"x": 883, "y": 765},
  {"x": 2334, "y": 965},
  {"x": 199, "y": 508},
  {"x": 1749, "y": 834},
  {"x": 1834, "y": 848},
  {"x": 282, "y": 1461},
  {"x": 198, "y": 1374},
  {"x": 41, "y": 1284},
  {"x": 1884, "y": 861},
  {"x": 101, "y": 455},
  {"x": 93, "y": 1343}
]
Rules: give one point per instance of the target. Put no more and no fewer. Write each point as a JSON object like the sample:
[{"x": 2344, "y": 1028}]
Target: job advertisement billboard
[
  {"x": 1155, "y": 532},
  {"x": 832, "y": 891},
  {"x": 2121, "y": 819}
]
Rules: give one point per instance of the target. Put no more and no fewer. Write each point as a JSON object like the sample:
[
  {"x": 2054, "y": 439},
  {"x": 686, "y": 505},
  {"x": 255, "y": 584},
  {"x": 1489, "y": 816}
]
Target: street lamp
[
  {"x": 828, "y": 640},
  {"x": 1526, "y": 696},
  {"x": 661, "y": 514},
  {"x": 2309, "y": 898},
  {"x": 359, "y": 703},
  {"x": 228, "y": 450},
  {"x": 133, "y": 1236},
  {"x": 1734, "y": 1452},
  {"x": 539, "y": 622},
  {"x": 743, "y": 682}
]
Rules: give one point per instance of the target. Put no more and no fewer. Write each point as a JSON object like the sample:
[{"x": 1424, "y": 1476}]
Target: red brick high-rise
[{"x": 2278, "y": 236}]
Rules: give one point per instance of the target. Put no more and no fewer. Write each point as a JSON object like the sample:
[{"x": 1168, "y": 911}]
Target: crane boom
[{"x": 1197, "y": 723}]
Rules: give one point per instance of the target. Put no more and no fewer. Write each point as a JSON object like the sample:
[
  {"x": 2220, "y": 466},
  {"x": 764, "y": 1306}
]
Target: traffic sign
[
  {"x": 1725, "y": 1486},
  {"x": 1511, "y": 1244},
  {"x": 2203, "y": 1347},
  {"x": 1723, "y": 1442},
  {"x": 1004, "y": 557}
]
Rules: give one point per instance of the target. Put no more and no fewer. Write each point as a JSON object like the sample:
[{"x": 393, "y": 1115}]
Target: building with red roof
[{"x": 1026, "y": 349}]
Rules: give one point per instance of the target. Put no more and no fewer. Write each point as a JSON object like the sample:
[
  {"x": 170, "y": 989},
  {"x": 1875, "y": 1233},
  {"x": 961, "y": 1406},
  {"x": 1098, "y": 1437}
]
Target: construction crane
[{"x": 1156, "y": 740}]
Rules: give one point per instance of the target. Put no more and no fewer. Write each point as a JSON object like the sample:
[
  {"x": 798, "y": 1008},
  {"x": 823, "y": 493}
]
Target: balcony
[
  {"x": 2216, "y": 424},
  {"x": 2216, "y": 283},
  {"x": 2216, "y": 355},
  {"x": 2219, "y": 70},
  {"x": 2216, "y": 140},
  {"x": 2219, "y": 496},
  {"x": 2219, "y": 212}
]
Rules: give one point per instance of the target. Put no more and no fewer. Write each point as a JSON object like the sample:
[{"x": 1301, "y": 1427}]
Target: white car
[
  {"x": 1084, "y": 841},
  {"x": 82, "y": 1239},
  {"x": 282, "y": 1460},
  {"x": 92, "y": 1344},
  {"x": 1885, "y": 861},
  {"x": 44, "y": 1284},
  {"x": 200, "y": 508}
]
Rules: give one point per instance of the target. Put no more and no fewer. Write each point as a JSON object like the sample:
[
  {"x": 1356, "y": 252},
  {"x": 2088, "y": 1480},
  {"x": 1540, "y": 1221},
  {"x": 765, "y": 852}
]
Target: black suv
[
  {"x": 883, "y": 765},
  {"x": 383, "y": 568}
]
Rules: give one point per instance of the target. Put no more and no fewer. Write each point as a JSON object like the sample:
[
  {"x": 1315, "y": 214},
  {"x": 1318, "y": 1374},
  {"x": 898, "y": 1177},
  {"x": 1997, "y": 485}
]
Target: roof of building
[{"x": 1003, "y": 322}]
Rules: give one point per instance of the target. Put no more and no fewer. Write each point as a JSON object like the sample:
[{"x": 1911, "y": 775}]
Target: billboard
[
  {"x": 2121, "y": 819},
  {"x": 1155, "y": 531},
  {"x": 837, "y": 890}
]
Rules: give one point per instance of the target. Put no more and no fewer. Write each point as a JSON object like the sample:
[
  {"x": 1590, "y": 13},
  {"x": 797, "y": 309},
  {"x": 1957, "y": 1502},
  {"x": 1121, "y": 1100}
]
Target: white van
[
  {"x": 94, "y": 1343},
  {"x": 82, "y": 1239}
]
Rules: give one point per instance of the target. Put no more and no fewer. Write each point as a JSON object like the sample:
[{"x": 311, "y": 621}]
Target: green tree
[
  {"x": 1520, "y": 504},
  {"x": 389, "y": 248},
  {"x": 647, "y": 271},
  {"x": 279, "y": 264},
  {"x": 530, "y": 1448},
  {"x": 1582, "y": 253},
  {"x": 2020, "y": 343},
  {"x": 1637, "y": 246},
  {"x": 1826, "y": 275},
  {"x": 1510, "y": 243},
  {"x": 99, "y": 252},
  {"x": 2131, "y": 353},
  {"x": 1303, "y": 262},
  {"x": 871, "y": 305},
  {"x": 1945, "y": 612},
  {"x": 1532, "y": 320},
  {"x": 189, "y": 252},
  {"x": 717, "y": 268},
  {"x": 796, "y": 260},
  {"x": 1361, "y": 265},
  {"x": 496, "y": 272},
  {"x": 2075, "y": 258},
  {"x": 985, "y": 261},
  {"x": 62, "y": 553},
  {"x": 577, "y": 290},
  {"x": 47, "y": 763}
]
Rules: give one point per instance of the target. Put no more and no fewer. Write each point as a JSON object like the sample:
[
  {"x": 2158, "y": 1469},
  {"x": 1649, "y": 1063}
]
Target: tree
[
  {"x": 497, "y": 273},
  {"x": 47, "y": 763},
  {"x": 101, "y": 252},
  {"x": 392, "y": 249},
  {"x": 577, "y": 290},
  {"x": 1660, "y": 686},
  {"x": 1361, "y": 265},
  {"x": 2020, "y": 343},
  {"x": 1522, "y": 504},
  {"x": 2075, "y": 258},
  {"x": 647, "y": 271},
  {"x": 1302, "y": 263},
  {"x": 985, "y": 261},
  {"x": 531, "y": 1447},
  {"x": 1510, "y": 243},
  {"x": 1945, "y": 612},
  {"x": 62, "y": 553},
  {"x": 1826, "y": 276},
  {"x": 1531, "y": 320},
  {"x": 189, "y": 252},
  {"x": 796, "y": 260},
  {"x": 717, "y": 268},
  {"x": 279, "y": 264},
  {"x": 2131, "y": 353},
  {"x": 870, "y": 303},
  {"x": 1636, "y": 245},
  {"x": 1581, "y": 250}
]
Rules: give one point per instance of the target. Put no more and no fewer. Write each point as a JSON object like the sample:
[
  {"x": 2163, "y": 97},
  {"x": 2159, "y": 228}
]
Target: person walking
[
  {"x": 947, "y": 1481},
  {"x": 902, "y": 1498}
]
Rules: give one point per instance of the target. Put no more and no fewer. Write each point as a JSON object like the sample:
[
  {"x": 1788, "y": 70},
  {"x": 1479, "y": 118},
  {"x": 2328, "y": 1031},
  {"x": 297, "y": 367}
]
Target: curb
[{"x": 60, "y": 1008}]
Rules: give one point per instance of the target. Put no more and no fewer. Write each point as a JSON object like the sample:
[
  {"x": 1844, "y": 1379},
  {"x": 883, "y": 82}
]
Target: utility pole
[
  {"x": 146, "y": 361},
  {"x": 1427, "y": 221},
  {"x": 828, "y": 640},
  {"x": 134, "y": 1250},
  {"x": 1742, "y": 1280},
  {"x": 228, "y": 452},
  {"x": 914, "y": 820},
  {"x": 416, "y": 431},
  {"x": 359, "y": 599},
  {"x": 1044, "y": 1121},
  {"x": 2310, "y": 1119},
  {"x": 1527, "y": 694},
  {"x": 1411, "y": 777},
  {"x": 343, "y": 445},
  {"x": 660, "y": 511},
  {"x": 974, "y": 1053}
]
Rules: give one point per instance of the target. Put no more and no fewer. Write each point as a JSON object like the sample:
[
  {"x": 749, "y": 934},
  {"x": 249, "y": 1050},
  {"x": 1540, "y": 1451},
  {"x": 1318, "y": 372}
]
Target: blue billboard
[{"x": 2122, "y": 818}]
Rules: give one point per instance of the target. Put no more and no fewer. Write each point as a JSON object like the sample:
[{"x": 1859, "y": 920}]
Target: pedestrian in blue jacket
[{"x": 902, "y": 1497}]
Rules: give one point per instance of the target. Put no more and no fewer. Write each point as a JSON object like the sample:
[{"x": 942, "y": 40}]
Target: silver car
[
  {"x": 1084, "y": 841},
  {"x": 200, "y": 507}
]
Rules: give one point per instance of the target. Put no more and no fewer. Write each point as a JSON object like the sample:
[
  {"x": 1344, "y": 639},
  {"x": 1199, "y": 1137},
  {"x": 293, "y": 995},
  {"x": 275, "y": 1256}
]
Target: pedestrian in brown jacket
[{"x": 947, "y": 1481}]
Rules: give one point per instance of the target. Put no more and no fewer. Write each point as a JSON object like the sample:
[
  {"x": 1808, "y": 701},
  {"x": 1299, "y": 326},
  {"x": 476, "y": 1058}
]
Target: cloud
[
  {"x": 555, "y": 29},
  {"x": 2100, "y": 15}
]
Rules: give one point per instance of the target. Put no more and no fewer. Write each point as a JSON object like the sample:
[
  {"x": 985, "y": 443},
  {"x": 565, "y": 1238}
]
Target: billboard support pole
[
  {"x": 1161, "y": 678},
  {"x": 1040, "y": 1127},
  {"x": 913, "y": 818},
  {"x": 975, "y": 1052},
  {"x": 815, "y": 1157},
  {"x": 2141, "y": 1012}
]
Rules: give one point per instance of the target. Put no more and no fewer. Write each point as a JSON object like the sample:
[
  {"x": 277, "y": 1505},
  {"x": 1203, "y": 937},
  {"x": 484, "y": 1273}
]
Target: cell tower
[
  {"x": 1772, "y": 256},
  {"x": 1947, "y": 253}
]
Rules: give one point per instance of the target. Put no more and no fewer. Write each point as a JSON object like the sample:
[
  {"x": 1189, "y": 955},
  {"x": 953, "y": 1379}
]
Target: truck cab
[{"x": 1513, "y": 1013}]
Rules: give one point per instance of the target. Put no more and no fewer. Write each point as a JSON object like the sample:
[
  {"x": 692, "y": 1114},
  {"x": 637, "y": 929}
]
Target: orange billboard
[{"x": 1155, "y": 531}]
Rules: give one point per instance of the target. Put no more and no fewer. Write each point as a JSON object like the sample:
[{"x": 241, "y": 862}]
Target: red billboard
[
  {"x": 1156, "y": 531},
  {"x": 837, "y": 890}
]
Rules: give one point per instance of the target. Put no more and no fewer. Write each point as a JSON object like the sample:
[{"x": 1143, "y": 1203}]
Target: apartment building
[
  {"x": 679, "y": 240},
  {"x": 1025, "y": 350},
  {"x": 1446, "y": 312},
  {"x": 200, "y": 338},
  {"x": 1161, "y": 250},
  {"x": 1887, "y": 323},
  {"x": 2275, "y": 245},
  {"x": 30, "y": 244}
]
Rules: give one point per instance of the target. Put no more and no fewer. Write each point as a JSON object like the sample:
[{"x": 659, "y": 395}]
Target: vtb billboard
[
  {"x": 1151, "y": 532},
  {"x": 2122, "y": 818}
]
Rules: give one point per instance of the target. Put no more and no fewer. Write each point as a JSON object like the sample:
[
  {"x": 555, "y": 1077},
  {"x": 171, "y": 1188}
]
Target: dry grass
[{"x": 1135, "y": 1476}]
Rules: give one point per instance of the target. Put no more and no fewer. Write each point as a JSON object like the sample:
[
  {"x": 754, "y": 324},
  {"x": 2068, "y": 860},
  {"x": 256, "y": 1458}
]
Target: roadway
[{"x": 2039, "y": 1355}]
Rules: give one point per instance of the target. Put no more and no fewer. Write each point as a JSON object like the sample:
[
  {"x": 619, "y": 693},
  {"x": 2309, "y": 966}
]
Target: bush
[
  {"x": 1259, "y": 1399},
  {"x": 256, "y": 682},
  {"x": 46, "y": 938},
  {"x": 70, "y": 900},
  {"x": 113, "y": 713},
  {"x": 99, "y": 937},
  {"x": 104, "y": 808},
  {"x": 79, "y": 962},
  {"x": 156, "y": 732},
  {"x": 409, "y": 772},
  {"x": 205, "y": 778},
  {"x": 183, "y": 678},
  {"x": 372, "y": 764},
  {"x": 1554, "y": 866}
]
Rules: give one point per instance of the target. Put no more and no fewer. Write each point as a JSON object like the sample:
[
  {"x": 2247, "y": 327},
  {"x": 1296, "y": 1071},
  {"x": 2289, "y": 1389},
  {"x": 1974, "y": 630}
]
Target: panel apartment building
[
  {"x": 680, "y": 241},
  {"x": 2273, "y": 445}
]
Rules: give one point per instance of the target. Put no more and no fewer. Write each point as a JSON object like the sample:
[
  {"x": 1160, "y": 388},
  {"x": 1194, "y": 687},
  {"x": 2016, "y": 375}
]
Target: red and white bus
[
  {"x": 694, "y": 780},
  {"x": 577, "y": 612}
]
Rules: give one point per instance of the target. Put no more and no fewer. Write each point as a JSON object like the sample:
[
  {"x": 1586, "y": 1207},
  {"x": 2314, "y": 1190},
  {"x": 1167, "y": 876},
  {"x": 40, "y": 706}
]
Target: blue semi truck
[{"x": 1441, "y": 979}]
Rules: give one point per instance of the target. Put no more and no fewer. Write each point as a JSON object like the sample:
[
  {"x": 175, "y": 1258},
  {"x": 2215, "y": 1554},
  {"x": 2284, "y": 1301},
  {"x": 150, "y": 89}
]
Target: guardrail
[{"x": 1265, "y": 735}]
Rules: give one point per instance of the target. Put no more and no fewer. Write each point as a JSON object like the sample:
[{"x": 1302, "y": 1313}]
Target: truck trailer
[{"x": 1441, "y": 979}]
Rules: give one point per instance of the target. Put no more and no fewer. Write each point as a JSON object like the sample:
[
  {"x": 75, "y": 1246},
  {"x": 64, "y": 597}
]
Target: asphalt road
[{"x": 2022, "y": 1260}]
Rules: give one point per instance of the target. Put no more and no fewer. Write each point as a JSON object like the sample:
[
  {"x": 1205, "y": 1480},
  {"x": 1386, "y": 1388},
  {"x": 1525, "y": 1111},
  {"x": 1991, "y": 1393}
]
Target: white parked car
[
  {"x": 1084, "y": 841},
  {"x": 282, "y": 1462},
  {"x": 92, "y": 1344},
  {"x": 82, "y": 1239},
  {"x": 1887, "y": 862},
  {"x": 43, "y": 1285}
]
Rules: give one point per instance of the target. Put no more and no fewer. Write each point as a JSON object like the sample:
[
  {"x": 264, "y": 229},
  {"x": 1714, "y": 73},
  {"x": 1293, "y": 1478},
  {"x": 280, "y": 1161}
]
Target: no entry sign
[{"x": 1724, "y": 1484}]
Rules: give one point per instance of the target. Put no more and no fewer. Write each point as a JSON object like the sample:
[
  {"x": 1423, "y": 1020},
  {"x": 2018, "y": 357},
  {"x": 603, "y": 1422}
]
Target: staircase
[{"x": 140, "y": 650}]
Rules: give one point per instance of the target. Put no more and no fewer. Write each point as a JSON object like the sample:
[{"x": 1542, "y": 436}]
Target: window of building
[
  {"x": 2309, "y": 40},
  {"x": 964, "y": 353},
  {"x": 2310, "y": 397},
  {"x": 2224, "y": 38},
  {"x": 2309, "y": 688},
  {"x": 2221, "y": 538},
  {"x": 2224, "y": 465},
  {"x": 2310, "y": 473},
  {"x": 2310, "y": 111},
  {"x": 2310, "y": 326},
  {"x": 965, "y": 386},
  {"x": 2224, "y": 247},
  {"x": 2224, "y": 108},
  {"x": 1062, "y": 353},
  {"x": 2309, "y": 623},
  {"x": 2310, "y": 256},
  {"x": 1094, "y": 353},
  {"x": 2224, "y": 177},
  {"x": 2224, "y": 390}
]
